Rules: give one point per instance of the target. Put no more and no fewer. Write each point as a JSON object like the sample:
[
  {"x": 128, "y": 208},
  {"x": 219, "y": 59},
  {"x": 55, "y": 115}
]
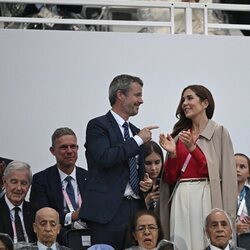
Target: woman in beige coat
[{"x": 200, "y": 159}]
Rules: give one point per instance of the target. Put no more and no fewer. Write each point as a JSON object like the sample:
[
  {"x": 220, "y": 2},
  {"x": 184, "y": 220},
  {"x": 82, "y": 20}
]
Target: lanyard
[
  {"x": 178, "y": 181},
  {"x": 242, "y": 201},
  {"x": 14, "y": 229},
  {"x": 68, "y": 201}
]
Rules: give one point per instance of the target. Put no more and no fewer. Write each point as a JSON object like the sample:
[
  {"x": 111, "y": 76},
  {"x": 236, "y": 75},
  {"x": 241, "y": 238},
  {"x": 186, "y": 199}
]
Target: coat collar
[{"x": 209, "y": 130}]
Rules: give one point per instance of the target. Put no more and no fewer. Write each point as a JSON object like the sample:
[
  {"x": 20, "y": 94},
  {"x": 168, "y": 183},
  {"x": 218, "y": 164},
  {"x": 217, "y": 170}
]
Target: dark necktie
[
  {"x": 133, "y": 175},
  {"x": 70, "y": 192},
  {"x": 19, "y": 227}
]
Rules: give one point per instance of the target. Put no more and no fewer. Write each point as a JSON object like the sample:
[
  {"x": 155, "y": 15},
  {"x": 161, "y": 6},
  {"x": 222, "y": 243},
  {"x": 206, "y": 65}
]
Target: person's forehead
[
  {"x": 19, "y": 174},
  {"x": 65, "y": 139},
  {"x": 144, "y": 219},
  {"x": 218, "y": 217},
  {"x": 47, "y": 215},
  {"x": 51, "y": 220}
]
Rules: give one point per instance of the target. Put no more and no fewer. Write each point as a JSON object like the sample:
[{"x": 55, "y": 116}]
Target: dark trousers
[{"x": 114, "y": 232}]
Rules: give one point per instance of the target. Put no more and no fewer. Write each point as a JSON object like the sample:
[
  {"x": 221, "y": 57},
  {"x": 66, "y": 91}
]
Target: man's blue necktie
[
  {"x": 70, "y": 192},
  {"x": 133, "y": 174}
]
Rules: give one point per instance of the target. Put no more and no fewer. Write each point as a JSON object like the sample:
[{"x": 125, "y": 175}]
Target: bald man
[{"x": 47, "y": 227}]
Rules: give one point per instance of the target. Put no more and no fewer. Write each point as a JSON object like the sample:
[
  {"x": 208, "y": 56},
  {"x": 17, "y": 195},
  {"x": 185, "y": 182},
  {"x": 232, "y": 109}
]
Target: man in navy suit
[
  {"x": 18, "y": 224},
  {"x": 49, "y": 187},
  {"x": 111, "y": 197}
]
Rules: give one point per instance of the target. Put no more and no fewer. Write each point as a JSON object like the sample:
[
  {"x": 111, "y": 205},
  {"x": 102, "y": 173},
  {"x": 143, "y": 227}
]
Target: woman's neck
[{"x": 199, "y": 124}]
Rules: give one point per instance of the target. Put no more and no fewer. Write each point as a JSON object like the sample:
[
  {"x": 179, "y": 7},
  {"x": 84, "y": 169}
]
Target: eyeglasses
[{"x": 150, "y": 228}]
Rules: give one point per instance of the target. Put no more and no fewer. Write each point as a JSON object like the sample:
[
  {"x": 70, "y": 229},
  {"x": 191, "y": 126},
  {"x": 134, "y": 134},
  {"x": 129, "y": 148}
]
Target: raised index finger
[{"x": 152, "y": 127}]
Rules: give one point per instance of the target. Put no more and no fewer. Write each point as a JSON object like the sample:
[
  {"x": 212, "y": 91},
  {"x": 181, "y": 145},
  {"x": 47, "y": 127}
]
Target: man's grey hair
[
  {"x": 221, "y": 211},
  {"x": 122, "y": 83},
  {"x": 17, "y": 166},
  {"x": 61, "y": 132}
]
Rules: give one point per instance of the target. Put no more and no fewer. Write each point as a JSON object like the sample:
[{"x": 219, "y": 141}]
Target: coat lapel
[{"x": 55, "y": 184}]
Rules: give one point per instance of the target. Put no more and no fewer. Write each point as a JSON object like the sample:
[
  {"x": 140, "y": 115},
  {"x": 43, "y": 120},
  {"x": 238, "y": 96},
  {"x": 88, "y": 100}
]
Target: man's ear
[
  {"x": 4, "y": 182},
  {"x": 59, "y": 228},
  {"x": 119, "y": 95},
  {"x": 52, "y": 150},
  {"x": 34, "y": 227}
]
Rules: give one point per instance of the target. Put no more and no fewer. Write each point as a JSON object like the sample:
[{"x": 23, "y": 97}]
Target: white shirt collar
[
  {"x": 216, "y": 248},
  {"x": 118, "y": 118},
  {"x": 63, "y": 175},
  {"x": 43, "y": 247},
  {"x": 10, "y": 205}
]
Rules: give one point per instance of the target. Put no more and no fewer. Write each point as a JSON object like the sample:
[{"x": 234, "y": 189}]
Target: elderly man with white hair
[
  {"x": 218, "y": 227},
  {"x": 16, "y": 214}
]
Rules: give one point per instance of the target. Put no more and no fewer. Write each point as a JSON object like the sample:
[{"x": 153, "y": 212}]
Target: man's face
[
  {"x": 65, "y": 150},
  {"x": 219, "y": 229},
  {"x": 47, "y": 226},
  {"x": 132, "y": 100},
  {"x": 17, "y": 185}
]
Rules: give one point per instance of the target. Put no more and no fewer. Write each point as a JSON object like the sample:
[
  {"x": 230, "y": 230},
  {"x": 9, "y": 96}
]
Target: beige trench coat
[{"x": 217, "y": 147}]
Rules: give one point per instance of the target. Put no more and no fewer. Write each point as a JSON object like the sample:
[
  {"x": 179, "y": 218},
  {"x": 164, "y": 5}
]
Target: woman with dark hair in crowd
[
  {"x": 153, "y": 160},
  {"x": 144, "y": 231}
]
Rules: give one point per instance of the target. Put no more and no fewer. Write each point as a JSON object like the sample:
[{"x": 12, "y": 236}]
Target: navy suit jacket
[
  {"x": 46, "y": 189},
  {"x": 29, "y": 211},
  {"x": 107, "y": 156}
]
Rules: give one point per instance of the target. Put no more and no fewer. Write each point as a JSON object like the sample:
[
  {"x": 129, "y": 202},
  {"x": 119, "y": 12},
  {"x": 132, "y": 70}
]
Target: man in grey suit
[{"x": 218, "y": 227}]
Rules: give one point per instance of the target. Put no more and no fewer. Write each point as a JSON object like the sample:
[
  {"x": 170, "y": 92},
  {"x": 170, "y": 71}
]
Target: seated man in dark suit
[
  {"x": 61, "y": 186},
  {"x": 47, "y": 227},
  {"x": 16, "y": 214},
  {"x": 218, "y": 227}
]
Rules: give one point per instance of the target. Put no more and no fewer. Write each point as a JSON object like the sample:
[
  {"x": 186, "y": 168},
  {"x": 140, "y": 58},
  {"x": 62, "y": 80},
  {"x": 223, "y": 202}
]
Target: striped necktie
[{"x": 133, "y": 174}]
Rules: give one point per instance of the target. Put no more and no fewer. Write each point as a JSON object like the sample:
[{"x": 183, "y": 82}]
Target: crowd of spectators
[
  {"x": 143, "y": 14},
  {"x": 131, "y": 196}
]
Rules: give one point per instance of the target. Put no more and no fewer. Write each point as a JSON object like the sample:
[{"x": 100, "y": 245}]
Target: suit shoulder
[
  {"x": 44, "y": 171},
  {"x": 31, "y": 206},
  {"x": 82, "y": 171},
  {"x": 98, "y": 118}
]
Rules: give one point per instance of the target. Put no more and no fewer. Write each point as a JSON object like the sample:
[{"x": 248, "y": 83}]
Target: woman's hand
[
  {"x": 168, "y": 143},
  {"x": 146, "y": 184},
  {"x": 153, "y": 196},
  {"x": 186, "y": 138}
]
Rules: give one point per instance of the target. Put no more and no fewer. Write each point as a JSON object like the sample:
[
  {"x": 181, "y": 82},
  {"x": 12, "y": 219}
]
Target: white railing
[{"x": 108, "y": 5}]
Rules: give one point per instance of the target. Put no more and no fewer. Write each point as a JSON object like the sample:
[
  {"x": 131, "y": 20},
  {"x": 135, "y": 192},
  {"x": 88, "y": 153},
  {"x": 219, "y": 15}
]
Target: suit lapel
[
  {"x": 6, "y": 219},
  {"x": 56, "y": 185},
  {"x": 27, "y": 218},
  {"x": 80, "y": 181},
  {"x": 114, "y": 126}
]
